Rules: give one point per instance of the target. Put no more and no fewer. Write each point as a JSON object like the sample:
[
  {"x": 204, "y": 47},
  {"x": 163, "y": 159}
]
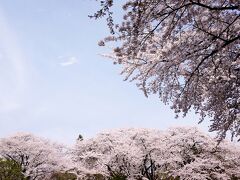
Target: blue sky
[{"x": 54, "y": 83}]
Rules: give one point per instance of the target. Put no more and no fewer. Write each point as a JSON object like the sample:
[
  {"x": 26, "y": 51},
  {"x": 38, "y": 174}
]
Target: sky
[{"x": 55, "y": 83}]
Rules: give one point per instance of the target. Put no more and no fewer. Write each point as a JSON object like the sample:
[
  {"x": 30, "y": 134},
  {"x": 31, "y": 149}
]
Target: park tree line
[{"x": 123, "y": 154}]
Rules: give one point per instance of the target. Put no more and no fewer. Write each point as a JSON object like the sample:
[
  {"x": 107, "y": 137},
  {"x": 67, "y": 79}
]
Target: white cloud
[{"x": 69, "y": 61}]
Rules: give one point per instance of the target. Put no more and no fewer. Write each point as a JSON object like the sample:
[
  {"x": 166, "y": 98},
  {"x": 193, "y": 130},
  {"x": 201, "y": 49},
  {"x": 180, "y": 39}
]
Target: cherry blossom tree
[
  {"x": 178, "y": 153},
  {"x": 187, "y": 51},
  {"x": 38, "y": 157},
  {"x": 147, "y": 153}
]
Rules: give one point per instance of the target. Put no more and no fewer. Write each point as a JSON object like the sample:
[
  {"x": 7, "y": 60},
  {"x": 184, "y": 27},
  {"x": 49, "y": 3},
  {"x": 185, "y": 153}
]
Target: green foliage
[
  {"x": 10, "y": 170},
  {"x": 63, "y": 176},
  {"x": 117, "y": 176},
  {"x": 235, "y": 177},
  {"x": 166, "y": 176},
  {"x": 95, "y": 177},
  {"x": 80, "y": 137},
  {"x": 159, "y": 176}
]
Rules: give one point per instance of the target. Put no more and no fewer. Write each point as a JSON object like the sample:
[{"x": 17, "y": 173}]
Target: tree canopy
[
  {"x": 37, "y": 157},
  {"x": 186, "y": 51},
  {"x": 10, "y": 169},
  {"x": 126, "y": 154},
  {"x": 147, "y": 153}
]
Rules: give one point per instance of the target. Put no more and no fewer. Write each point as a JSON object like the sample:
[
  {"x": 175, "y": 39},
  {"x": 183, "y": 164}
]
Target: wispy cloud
[
  {"x": 69, "y": 61},
  {"x": 13, "y": 67}
]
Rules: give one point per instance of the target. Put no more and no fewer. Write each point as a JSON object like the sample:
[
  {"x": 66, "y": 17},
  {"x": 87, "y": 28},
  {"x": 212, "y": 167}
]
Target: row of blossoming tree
[{"x": 178, "y": 153}]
